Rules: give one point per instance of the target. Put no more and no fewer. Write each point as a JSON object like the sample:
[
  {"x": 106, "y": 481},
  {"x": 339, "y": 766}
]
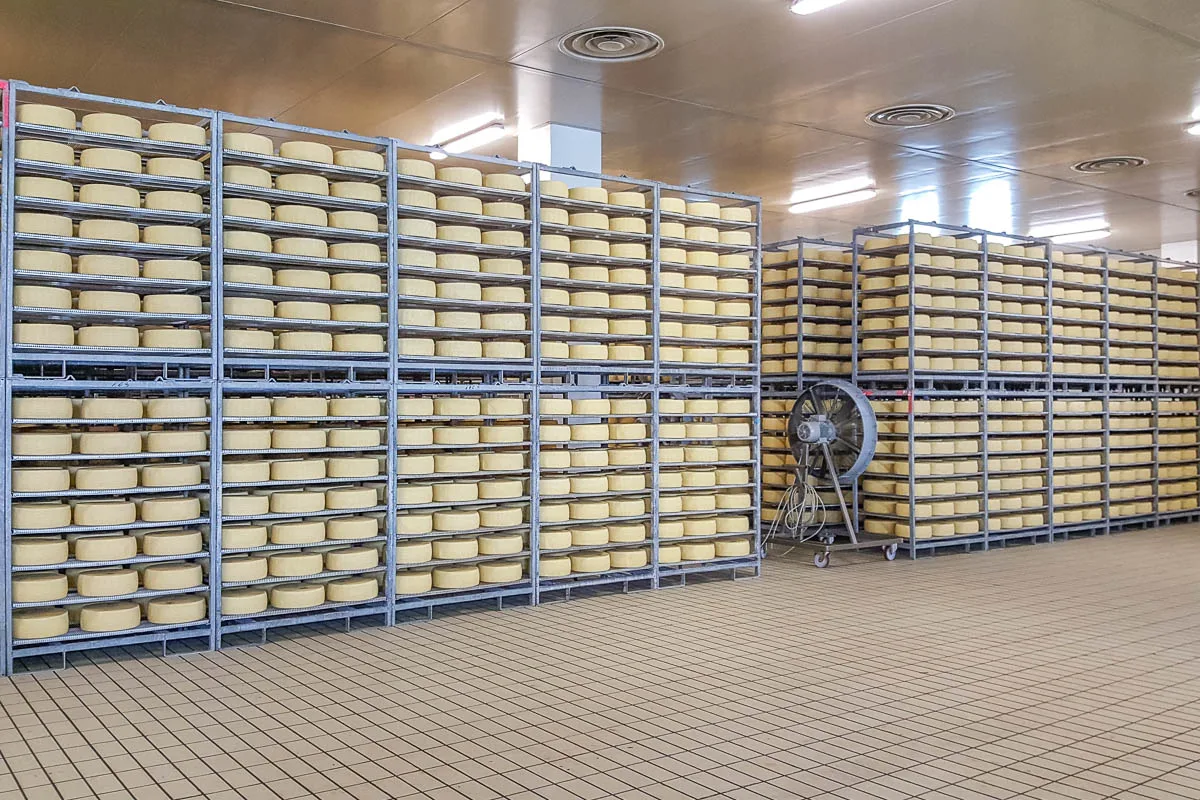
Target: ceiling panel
[
  {"x": 745, "y": 97},
  {"x": 395, "y": 18}
]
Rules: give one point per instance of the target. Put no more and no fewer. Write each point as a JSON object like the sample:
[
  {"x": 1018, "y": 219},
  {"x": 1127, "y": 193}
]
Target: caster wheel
[
  {"x": 889, "y": 552},
  {"x": 821, "y": 560}
]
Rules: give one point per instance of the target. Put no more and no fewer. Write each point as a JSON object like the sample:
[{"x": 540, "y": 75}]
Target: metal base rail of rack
[{"x": 221, "y": 370}]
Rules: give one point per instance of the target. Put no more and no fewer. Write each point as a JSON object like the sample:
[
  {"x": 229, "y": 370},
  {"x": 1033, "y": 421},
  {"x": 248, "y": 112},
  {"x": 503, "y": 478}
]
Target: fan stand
[{"x": 840, "y": 417}]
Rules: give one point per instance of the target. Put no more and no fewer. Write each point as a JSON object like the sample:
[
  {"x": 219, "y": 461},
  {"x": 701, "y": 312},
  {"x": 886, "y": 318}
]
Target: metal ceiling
[{"x": 746, "y": 97}]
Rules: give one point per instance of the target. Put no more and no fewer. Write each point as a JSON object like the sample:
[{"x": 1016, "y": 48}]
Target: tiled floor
[{"x": 1068, "y": 670}]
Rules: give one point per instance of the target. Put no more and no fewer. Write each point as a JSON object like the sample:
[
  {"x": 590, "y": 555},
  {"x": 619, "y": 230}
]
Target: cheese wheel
[
  {"x": 445, "y": 549},
  {"x": 629, "y": 559},
  {"x": 41, "y": 297},
  {"x": 294, "y": 564},
  {"x": 171, "y": 304},
  {"x": 296, "y": 502},
  {"x": 352, "y": 467},
  {"x": 47, "y": 224},
  {"x": 307, "y": 151},
  {"x": 172, "y": 543},
  {"x": 108, "y": 617},
  {"x": 47, "y": 115},
  {"x": 501, "y": 516},
  {"x": 108, "y": 158},
  {"x": 455, "y": 521},
  {"x": 352, "y": 497},
  {"x": 301, "y": 246},
  {"x": 247, "y": 600},
  {"x": 501, "y": 544},
  {"x": 41, "y": 444},
  {"x": 359, "y": 159},
  {"x": 465, "y": 175},
  {"x": 109, "y": 442},
  {"x": 45, "y": 261},
  {"x": 504, "y": 266},
  {"x": 40, "y": 479},
  {"x": 500, "y": 571},
  {"x": 175, "y": 575},
  {"x": 28, "y": 551},
  {"x": 297, "y": 595},
  {"x": 356, "y": 251},
  {"x": 180, "y": 132},
  {"x": 459, "y": 233},
  {"x": 49, "y": 152},
  {"x": 355, "y": 589},
  {"x": 354, "y": 220},
  {"x": 113, "y": 547},
  {"x": 175, "y": 168},
  {"x": 97, "y": 478},
  {"x": 49, "y": 188},
  {"x": 554, "y": 567},
  {"x": 177, "y": 235},
  {"x": 247, "y": 240},
  {"x": 176, "y": 610},
  {"x": 590, "y": 562},
  {"x": 343, "y": 559},
  {"x": 501, "y": 461},
  {"x": 311, "y": 341},
  {"x": 42, "y": 333},
  {"x": 456, "y": 577},
  {"x": 244, "y": 568},
  {"x": 39, "y": 587},
  {"x": 39, "y": 623}
]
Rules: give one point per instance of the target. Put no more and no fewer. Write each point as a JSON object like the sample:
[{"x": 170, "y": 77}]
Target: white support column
[{"x": 558, "y": 145}]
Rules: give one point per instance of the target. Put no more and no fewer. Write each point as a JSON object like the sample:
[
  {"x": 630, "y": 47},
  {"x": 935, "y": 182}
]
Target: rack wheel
[
  {"x": 889, "y": 552},
  {"x": 821, "y": 560}
]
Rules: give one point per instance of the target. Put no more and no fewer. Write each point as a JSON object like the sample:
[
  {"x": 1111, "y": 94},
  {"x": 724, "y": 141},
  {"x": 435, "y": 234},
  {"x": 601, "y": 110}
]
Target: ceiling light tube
[
  {"x": 1082, "y": 236},
  {"x": 833, "y": 201},
  {"x": 475, "y": 139},
  {"x": 1193, "y": 128},
  {"x": 805, "y": 7}
]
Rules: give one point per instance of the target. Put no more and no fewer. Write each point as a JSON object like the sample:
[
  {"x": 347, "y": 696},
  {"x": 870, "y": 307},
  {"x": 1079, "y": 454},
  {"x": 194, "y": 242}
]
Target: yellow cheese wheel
[
  {"x": 45, "y": 261},
  {"x": 175, "y": 575},
  {"x": 39, "y": 587},
  {"x": 176, "y": 610},
  {"x": 590, "y": 562},
  {"x": 360, "y": 159},
  {"x": 108, "y": 158},
  {"x": 49, "y": 152},
  {"x": 297, "y": 595},
  {"x": 180, "y": 132},
  {"x": 108, "y": 617},
  {"x": 114, "y": 547},
  {"x": 175, "y": 168},
  {"x": 28, "y": 551}
]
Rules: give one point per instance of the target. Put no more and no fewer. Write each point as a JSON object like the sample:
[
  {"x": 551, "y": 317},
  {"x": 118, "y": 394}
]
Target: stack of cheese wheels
[
  {"x": 178, "y": 155},
  {"x": 596, "y": 477},
  {"x": 1078, "y": 314},
  {"x": 462, "y": 488},
  {"x": 777, "y": 463},
  {"x": 601, "y": 271},
  {"x": 320, "y": 245},
  {"x": 706, "y": 473},
  {"x": 315, "y": 494},
  {"x": 1177, "y": 472},
  {"x": 942, "y": 492},
  {"x": 820, "y": 344},
  {"x": 1178, "y": 357},
  {"x": 459, "y": 301},
  {"x": 83, "y": 495},
  {"x": 710, "y": 323}
]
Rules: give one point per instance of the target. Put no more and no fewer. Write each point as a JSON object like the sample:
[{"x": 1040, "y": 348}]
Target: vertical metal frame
[
  {"x": 656, "y": 398},
  {"x": 8, "y": 154},
  {"x": 535, "y": 392}
]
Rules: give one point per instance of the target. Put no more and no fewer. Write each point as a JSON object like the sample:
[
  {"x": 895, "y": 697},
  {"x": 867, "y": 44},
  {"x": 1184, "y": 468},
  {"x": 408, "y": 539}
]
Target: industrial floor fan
[{"x": 832, "y": 435}]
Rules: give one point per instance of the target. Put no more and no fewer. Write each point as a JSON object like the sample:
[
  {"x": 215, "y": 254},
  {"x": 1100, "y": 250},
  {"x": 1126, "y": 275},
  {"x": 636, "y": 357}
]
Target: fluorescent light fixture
[
  {"x": 834, "y": 201},
  {"x": 1082, "y": 236},
  {"x": 805, "y": 7},
  {"x": 438, "y": 155},
  {"x": 463, "y": 127},
  {"x": 991, "y": 206},
  {"x": 477, "y": 138},
  {"x": 1193, "y": 128},
  {"x": 469, "y": 134},
  {"x": 1073, "y": 227},
  {"x": 832, "y": 189}
]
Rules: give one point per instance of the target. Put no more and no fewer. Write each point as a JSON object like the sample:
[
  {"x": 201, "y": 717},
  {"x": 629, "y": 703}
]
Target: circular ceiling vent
[
  {"x": 611, "y": 44},
  {"x": 1099, "y": 166},
  {"x": 911, "y": 115}
]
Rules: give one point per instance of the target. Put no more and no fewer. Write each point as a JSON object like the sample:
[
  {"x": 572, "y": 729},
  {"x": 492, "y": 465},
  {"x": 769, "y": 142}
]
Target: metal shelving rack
[
  {"x": 153, "y": 270},
  {"x": 377, "y": 277},
  {"x": 808, "y": 335},
  {"x": 1069, "y": 349}
]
